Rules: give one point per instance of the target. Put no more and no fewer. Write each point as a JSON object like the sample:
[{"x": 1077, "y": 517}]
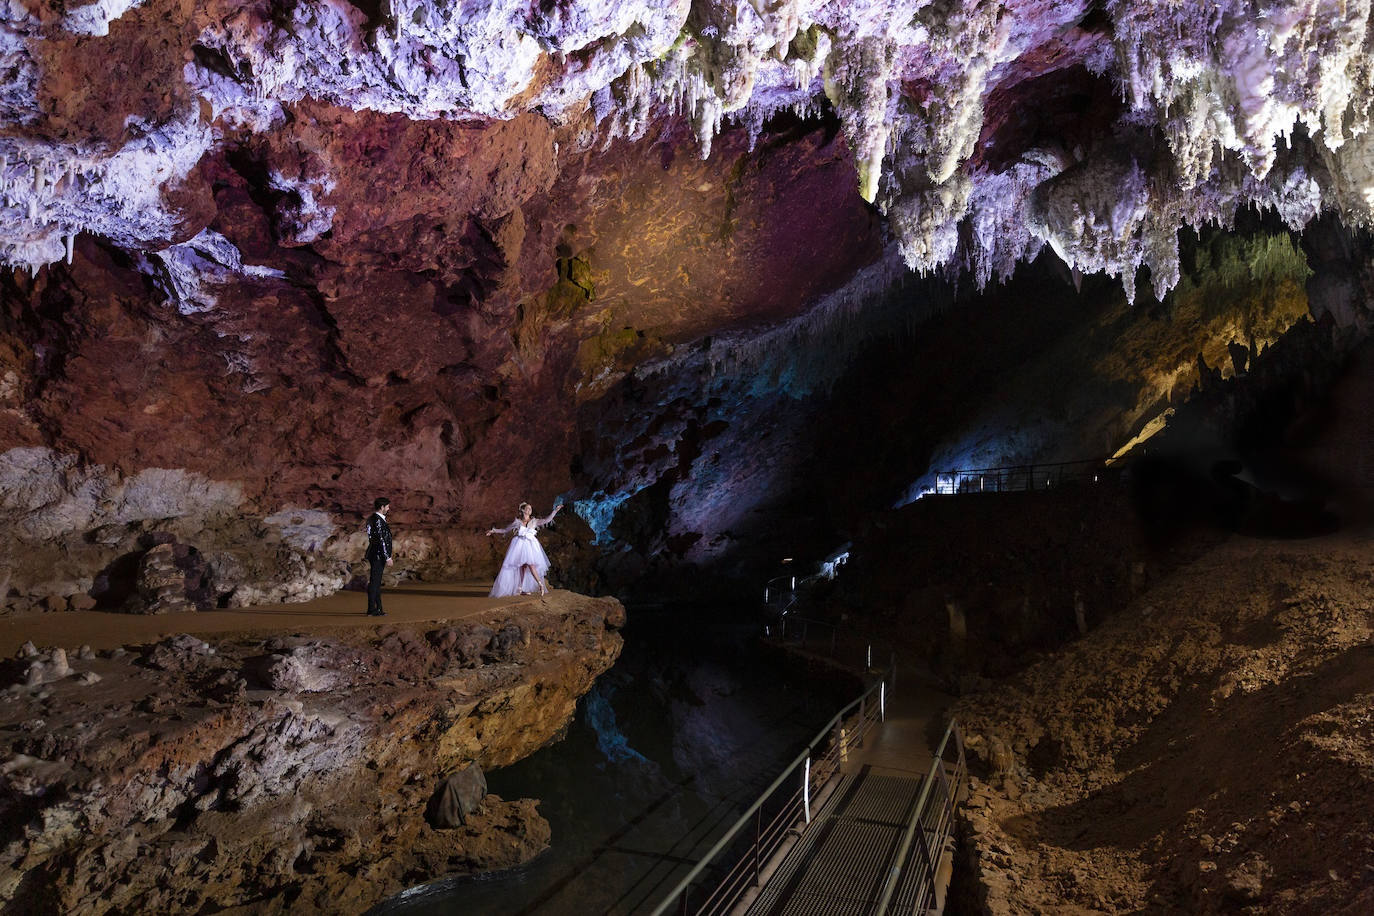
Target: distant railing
[
  {"x": 780, "y": 595},
  {"x": 826, "y": 637},
  {"x": 1021, "y": 477},
  {"x": 734, "y": 865}
]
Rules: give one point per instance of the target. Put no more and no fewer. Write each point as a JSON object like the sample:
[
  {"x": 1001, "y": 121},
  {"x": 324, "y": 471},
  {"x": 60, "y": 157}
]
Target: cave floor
[{"x": 411, "y": 602}]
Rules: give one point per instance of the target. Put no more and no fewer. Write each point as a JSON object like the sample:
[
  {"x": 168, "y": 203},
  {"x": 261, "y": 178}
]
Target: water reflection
[{"x": 663, "y": 755}]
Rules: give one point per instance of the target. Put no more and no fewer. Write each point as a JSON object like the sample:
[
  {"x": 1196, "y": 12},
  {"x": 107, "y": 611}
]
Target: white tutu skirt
[{"x": 514, "y": 578}]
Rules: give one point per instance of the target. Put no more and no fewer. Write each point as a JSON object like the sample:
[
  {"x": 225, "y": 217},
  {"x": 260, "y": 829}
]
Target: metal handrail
[
  {"x": 774, "y": 584},
  {"x": 944, "y": 821},
  {"x": 795, "y": 622},
  {"x": 828, "y": 765}
]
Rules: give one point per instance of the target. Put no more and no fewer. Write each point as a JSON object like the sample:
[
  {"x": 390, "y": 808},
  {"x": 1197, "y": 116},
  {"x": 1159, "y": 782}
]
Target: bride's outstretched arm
[
  {"x": 506, "y": 530},
  {"x": 541, "y": 522}
]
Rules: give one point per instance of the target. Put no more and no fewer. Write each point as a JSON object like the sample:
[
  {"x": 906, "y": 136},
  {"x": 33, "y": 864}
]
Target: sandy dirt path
[{"x": 406, "y": 604}]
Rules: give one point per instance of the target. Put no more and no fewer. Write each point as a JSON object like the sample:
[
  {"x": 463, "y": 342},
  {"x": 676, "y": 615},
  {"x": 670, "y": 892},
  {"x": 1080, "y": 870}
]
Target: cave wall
[
  {"x": 271, "y": 261},
  {"x": 366, "y": 366},
  {"x": 737, "y": 453}
]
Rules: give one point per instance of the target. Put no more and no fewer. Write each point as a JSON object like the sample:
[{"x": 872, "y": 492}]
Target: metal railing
[
  {"x": 780, "y": 595},
  {"x": 840, "y": 641},
  {"x": 734, "y": 865},
  {"x": 913, "y": 879},
  {"x": 1017, "y": 478}
]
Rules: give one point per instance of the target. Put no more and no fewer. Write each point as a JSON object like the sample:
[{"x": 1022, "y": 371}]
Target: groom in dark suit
[{"x": 378, "y": 554}]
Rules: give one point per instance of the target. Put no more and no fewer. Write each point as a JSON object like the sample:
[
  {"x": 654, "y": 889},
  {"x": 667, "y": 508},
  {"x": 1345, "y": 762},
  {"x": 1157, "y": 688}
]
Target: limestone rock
[
  {"x": 47, "y": 667},
  {"x": 457, "y": 797},
  {"x": 318, "y": 666},
  {"x": 178, "y": 653},
  {"x": 161, "y": 583},
  {"x": 208, "y": 794}
]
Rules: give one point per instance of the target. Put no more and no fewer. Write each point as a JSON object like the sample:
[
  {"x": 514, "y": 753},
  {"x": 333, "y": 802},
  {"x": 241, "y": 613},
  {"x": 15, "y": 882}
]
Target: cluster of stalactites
[
  {"x": 1224, "y": 87},
  {"x": 50, "y": 192},
  {"x": 1227, "y": 87},
  {"x": 1214, "y": 92}
]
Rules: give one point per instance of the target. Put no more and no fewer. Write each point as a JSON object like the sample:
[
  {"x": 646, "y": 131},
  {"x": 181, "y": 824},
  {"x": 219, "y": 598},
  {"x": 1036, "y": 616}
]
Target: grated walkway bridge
[
  {"x": 860, "y": 831},
  {"x": 842, "y": 864}
]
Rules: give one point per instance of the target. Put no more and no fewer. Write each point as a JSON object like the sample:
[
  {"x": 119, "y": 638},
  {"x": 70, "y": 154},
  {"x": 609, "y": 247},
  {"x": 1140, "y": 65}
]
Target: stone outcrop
[{"x": 286, "y": 772}]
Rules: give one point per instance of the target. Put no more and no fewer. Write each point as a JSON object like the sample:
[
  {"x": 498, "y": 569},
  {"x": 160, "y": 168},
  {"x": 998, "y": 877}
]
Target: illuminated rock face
[
  {"x": 294, "y": 772},
  {"x": 1213, "y": 93},
  {"x": 308, "y": 254}
]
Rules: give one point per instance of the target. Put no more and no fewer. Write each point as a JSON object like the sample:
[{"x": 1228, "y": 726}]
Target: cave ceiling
[{"x": 326, "y": 249}]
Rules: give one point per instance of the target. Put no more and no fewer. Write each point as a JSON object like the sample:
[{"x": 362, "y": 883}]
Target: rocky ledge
[{"x": 278, "y": 773}]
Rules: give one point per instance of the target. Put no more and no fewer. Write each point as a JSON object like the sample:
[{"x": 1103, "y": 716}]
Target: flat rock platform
[{"x": 409, "y": 603}]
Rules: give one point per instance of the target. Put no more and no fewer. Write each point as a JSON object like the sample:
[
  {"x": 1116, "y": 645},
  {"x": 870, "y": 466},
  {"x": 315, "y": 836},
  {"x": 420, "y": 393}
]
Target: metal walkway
[
  {"x": 843, "y": 861},
  {"x": 865, "y": 833}
]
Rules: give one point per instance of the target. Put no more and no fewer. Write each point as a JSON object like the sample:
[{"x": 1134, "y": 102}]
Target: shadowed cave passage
[{"x": 734, "y": 282}]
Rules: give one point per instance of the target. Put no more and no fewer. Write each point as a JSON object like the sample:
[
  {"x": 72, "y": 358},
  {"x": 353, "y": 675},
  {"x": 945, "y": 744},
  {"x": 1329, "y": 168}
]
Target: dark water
[{"x": 666, "y": 751}]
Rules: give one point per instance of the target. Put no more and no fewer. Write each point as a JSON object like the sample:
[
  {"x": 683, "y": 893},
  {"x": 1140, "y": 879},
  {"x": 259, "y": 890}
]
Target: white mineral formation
[
  {"x": 95, "y": 18},
  {"x": 1228, "y": 103},
  {"x": 193, "y": 269}
]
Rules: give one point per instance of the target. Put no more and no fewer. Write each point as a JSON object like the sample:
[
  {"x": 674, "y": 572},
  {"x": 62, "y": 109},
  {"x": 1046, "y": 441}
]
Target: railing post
[
  {"x": 758, "y": 841},
  {"x": 944, "y": 784},
  {"x": 682, "y": 903},
  {"x": 925, "y": 850},
  {"x": 806, "y": 788},
  {"x": 882, "y": 702}
]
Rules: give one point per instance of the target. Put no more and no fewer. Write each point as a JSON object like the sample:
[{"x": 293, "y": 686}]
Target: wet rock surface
[{"x": 281, "y": 774}]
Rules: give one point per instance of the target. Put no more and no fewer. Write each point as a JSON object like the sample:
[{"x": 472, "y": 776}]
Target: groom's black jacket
[{"x": 378, "y": 538}]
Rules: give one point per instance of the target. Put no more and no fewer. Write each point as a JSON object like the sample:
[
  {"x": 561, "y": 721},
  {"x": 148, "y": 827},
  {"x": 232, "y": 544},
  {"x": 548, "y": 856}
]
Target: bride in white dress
[{"x": 523, "y": 569}]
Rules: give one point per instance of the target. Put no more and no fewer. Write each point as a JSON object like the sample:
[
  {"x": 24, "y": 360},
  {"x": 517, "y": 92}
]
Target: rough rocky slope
[
  {"x": 1207, "y": 749},
  {"x": 281, "y": 774}
]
